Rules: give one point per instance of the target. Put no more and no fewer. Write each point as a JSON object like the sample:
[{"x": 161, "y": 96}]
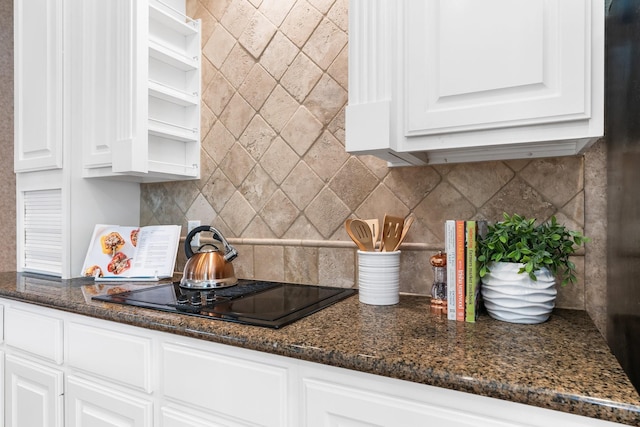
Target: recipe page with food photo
[{"x": 127, "y": 252}]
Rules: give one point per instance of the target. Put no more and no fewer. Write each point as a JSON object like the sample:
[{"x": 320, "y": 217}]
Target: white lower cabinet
[
  {"x": 33, "y": 393},
  {"x": 111, "y": 374},
  {"x": 91, "y": 404}
]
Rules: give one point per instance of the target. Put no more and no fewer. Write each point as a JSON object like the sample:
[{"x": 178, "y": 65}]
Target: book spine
[
  {"x": 471, "y": 272},
  {"x": 450, "y": 251},
  {"x": 460, "y": 276}
]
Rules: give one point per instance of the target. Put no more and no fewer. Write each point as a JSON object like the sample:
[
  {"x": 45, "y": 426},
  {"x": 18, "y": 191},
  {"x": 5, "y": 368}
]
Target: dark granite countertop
[{"x": 563, "y": 364}]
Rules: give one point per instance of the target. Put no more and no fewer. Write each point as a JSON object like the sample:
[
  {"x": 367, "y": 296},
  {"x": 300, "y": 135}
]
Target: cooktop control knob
[{"x": 196, "y": 299}]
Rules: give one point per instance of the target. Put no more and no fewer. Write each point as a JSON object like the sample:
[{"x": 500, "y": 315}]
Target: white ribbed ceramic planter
[{"x": 515, "y": 298}]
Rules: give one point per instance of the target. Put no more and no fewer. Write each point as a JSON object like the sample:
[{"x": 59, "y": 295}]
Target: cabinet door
[
  {"x": 474, "y": 65},
  {"x": 33, "y": 394},
  {"x": 112, "y": 62},
  {"x": 38, "y": 84},
  {"x": 89, "y": 404}
]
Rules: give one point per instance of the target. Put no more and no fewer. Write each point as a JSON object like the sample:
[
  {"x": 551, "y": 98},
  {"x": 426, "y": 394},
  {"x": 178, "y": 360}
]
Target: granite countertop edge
[{"x": 289, "y": 342}]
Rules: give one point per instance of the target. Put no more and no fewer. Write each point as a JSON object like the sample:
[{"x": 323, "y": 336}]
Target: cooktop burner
[{"x": 251, "y": 302}]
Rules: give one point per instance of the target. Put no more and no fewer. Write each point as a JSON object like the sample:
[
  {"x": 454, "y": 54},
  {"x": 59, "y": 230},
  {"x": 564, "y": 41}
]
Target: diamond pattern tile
[{"x": 275, "y": 81}]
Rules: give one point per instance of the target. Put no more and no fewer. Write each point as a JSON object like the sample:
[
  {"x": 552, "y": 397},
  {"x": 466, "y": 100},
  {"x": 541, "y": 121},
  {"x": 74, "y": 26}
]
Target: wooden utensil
[
  {"x": 360, "y": 233},
  {"x": 374, "y": 225},
  {"x": 391, "y": 232},
  {"x": 405, "y": 228}
]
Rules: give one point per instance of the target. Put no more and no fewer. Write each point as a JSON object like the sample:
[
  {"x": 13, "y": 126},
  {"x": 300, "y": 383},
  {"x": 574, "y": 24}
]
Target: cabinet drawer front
[
  {"x": 35, "y": 333},
  {"x": 215, "y": 382},
  {"x": 90, "y": 404},
  {"x": 113, "y": 355}
]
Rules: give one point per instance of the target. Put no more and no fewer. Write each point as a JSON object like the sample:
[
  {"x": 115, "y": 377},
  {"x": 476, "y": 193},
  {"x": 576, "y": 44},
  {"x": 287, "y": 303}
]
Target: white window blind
[{"x": 43, "y": 231}]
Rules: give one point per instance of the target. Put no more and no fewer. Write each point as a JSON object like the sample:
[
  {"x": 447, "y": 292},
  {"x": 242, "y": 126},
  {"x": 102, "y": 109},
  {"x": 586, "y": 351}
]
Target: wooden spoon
[
  {"x": 360, "y": 233},
  {"x": 405, "y": 228},
  {"x": 391, "y": 231},
  {"x": 374, "y": 225}
]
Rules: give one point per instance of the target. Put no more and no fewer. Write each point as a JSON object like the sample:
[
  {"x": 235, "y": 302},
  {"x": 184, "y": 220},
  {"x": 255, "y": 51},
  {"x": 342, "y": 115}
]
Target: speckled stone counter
[{"x": 563, "y": 364}]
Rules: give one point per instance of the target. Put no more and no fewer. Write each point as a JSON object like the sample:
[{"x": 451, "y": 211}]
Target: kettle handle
[{"x": 230, "y": 253}]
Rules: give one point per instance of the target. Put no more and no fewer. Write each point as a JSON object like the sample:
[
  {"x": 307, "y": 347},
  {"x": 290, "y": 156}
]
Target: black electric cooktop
[{"x": 250, "y": 302}]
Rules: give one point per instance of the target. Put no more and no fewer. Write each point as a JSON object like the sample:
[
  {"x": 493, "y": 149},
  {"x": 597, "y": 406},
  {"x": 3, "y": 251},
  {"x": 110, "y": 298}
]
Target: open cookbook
[{"x": 132, "y": 253}]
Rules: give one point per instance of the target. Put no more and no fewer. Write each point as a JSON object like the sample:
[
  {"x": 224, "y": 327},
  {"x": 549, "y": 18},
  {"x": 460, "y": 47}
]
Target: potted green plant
[{"x": 519, "y": 261}]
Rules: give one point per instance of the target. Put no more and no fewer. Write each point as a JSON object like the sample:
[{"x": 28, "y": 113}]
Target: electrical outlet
[{"x": 190, "y": 226}]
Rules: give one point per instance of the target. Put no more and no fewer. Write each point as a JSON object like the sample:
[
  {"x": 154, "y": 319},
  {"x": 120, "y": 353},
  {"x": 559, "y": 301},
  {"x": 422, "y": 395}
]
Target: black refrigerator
[{"x": 622, "y": 133}]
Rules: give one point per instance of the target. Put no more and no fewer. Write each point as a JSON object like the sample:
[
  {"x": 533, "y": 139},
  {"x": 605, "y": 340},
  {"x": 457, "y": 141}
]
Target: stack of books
[{"x": 463, "y": 278}]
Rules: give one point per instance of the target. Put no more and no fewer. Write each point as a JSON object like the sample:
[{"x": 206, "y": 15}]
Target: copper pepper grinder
[{"x": 439, "y": 288}]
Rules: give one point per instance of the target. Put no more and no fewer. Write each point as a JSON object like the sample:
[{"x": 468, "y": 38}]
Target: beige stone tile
[
  {"x": 208, "y": 70},
  {"x": 279, "y": 160},
  {"x": 237, "y": 213},
  {"x": 256, "y": 3},
  {"x": 279, "y": 213},
  {"x": 218, "y": 93},
  {"x": 218, "y": 142},
  {"x": 326, "y": 156},
  {"x": 326, "y": 99},
  {"x": 184, "y": 193},
  {"x": 300, "y": 22},
  {"x": 237, "y": 115},
  {"x": 557, "y": 179},
  {"x": 218, "y": 190},
  {"x": 339, "y": 69},
  {"x": 301, "y": 265},
  {"x": 278, "y": 108},
  {"x": 146, "y": 216},
  {"x": 196, "y": 10},
  {"x": 218, "y": 46},
  {"x": 518, "y": 164},
  {"x": 258, "y": 137},
  {"x": 258, "y": 188},
  {"x": 517, "y": 197},
  {"x": 339, "y": 14},
  {"x": 237, "y": 65},
  {"x": 380, "y": 201},
  {"x": 201, "y": 210},
  {"x": 257, "y": 34},
  {"x": 207, "y": 167},
  {"x": 237, "y": 164},
  {"x": 257, "y": 86},
  {"x": 377, "y": 166},
  {"x": 217, "y": 7},
  {"x": 258, "y": 229},
  {"x": 353, "y": 183},
  {"x": 302, "y": 229},
  {"x": 301, "y": 77},
  {"x": 420, "y": 233},
  {"x": 443, "y": 203},
  {"x": 412, "y": 184},
  {"x": 574, "y": 209},
  {"x": 336, "y": 267},
  {"x": 269, "y": 263},
  {"x": 207, "y": 119},
  {"x": 278, "y": 55},
  {"x": 276, "y": 10},
  {"x": 169, "y": 213},
  {"x": 302, "y": 185},
  {"x": 237, "y": 16},
  {"x": 301, "y": 130},
  {"x": 416, "y": 276},
  {"x": 478, "y": 182},
  {"x": 327, "y": 212},
  {"x": 154, "y": 195},
  {"x": 325, "y": 43},
  {"x": 322, "y": 5},
  {"x": 243, "y": 265},
  {"x": 572, "y": 295}
]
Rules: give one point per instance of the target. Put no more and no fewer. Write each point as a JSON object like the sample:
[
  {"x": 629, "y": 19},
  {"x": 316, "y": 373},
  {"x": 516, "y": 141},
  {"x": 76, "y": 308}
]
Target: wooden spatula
[
  {"x": 391, "y": 232},
  {"x": 360, "y": 233},
  {"x": 405, "y": 228},
  {"x": 374, "y": 225}
]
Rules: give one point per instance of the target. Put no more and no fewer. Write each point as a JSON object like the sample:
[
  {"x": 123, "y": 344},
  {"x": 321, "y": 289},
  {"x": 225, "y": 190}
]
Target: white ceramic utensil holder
[{"x": 379, "y": 277}]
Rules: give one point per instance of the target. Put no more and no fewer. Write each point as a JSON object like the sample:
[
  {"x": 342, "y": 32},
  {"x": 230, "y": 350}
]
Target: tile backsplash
[{"x": 277, "y": 182}]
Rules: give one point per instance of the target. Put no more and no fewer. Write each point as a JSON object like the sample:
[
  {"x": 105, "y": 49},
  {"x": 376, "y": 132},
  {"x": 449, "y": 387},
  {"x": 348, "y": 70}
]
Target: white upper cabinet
[
  {"x": 38, "y": 85},
  {"x": 437, "y": 81},
  {"x": 140, "y": 91}
]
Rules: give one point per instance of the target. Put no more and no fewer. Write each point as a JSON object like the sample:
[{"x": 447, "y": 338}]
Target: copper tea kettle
[{"x": 208, "y": 268}]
